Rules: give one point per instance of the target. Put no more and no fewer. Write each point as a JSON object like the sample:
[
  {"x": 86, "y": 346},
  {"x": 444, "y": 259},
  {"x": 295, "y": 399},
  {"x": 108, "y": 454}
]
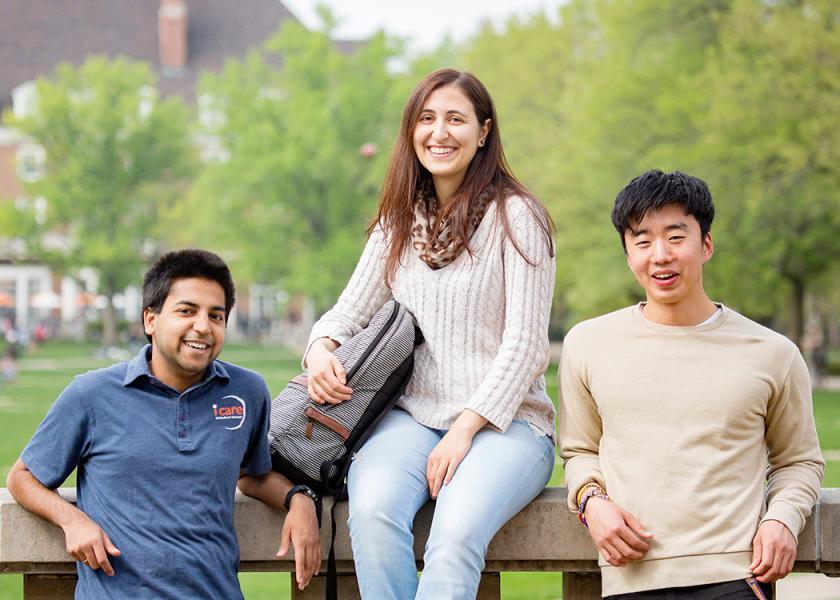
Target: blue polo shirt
[{"x": 157, "y": 470}]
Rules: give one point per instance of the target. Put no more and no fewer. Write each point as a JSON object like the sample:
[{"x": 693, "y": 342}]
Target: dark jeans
[{"x": 728, "y": 590}]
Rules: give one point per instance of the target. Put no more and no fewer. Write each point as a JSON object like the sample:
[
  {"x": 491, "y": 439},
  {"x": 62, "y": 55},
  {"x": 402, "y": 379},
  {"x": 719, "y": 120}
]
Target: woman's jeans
[{"x": 387, "y": 484}]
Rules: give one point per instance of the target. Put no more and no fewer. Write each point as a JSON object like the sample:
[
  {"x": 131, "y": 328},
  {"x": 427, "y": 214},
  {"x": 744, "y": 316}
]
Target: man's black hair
[
  {"x": 183, "y": 264},
  {"x": 653, "y": 190}
]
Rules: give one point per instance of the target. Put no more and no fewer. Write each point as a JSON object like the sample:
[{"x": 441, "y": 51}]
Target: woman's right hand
[{"x": 327, "y": 381}]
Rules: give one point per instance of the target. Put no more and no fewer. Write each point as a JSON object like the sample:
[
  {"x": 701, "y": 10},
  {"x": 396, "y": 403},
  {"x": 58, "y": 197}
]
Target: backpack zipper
[{"x": 376, "y": 340}]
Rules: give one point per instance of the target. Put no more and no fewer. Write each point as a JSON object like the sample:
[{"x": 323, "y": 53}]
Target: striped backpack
[{"x": 313, "y": 444}]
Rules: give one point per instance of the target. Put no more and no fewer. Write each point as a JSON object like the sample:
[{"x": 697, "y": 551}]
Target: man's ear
[
  {"x": 149, "y": 321},
  {"x": 708, "y": 247}
]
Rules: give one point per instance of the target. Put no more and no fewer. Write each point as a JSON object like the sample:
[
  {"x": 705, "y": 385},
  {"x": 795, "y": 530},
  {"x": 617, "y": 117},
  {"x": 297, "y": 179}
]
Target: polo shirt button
[{"x": 183, "y": 433}]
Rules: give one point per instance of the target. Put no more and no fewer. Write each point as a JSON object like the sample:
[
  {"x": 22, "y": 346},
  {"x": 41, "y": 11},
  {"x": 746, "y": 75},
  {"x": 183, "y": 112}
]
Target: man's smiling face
[
  {"x": 666, "y": 253},
  {"x": 188, "y": 333}
]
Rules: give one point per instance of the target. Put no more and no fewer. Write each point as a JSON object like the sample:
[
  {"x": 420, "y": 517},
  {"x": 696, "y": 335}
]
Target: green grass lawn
[{"x": 46, "y": 371}]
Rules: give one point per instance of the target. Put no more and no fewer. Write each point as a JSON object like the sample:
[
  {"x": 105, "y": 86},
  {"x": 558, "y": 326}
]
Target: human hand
[
  {"x": 326, "y": 381},
  {"x": 88, "y": 543},
  {"x": 300, "y": 531},
  {"x": 774, "y": 550},
  {"x": 445, "y": 458},
  {"x": 620, "y": 538}
]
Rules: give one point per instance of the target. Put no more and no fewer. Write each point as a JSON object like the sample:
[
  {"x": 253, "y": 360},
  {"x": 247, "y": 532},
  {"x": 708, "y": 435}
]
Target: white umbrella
[{"x": 47, "y": 300}]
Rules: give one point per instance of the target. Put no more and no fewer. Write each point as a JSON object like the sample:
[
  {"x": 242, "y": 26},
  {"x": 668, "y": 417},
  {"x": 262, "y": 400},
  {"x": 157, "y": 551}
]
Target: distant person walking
[
  {"x": 8, "y": 367},
  {"x": 468, "y": 250},
  {"x": 675, "y": 412}
]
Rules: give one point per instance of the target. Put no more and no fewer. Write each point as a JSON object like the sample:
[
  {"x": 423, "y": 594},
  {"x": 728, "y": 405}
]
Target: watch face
[{"x": 303, "y": 489}]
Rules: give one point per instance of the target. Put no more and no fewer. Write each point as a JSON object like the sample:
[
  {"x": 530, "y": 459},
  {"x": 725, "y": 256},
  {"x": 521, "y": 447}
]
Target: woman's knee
[
  {"x": 379, "y": 501},
  {"x": 373, "y": 508}
]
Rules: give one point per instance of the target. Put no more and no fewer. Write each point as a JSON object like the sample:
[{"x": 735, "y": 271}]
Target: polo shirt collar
[{"x": 139, "y": 367}]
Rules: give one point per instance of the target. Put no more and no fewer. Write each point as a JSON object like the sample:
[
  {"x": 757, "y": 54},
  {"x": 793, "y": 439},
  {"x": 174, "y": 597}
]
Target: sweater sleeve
[
  {"x": 579, "y": 423},
  {"x": 796, "y": 464},
  {"x": 523, "y": 353},
  {"x": 365, "y": 293}
]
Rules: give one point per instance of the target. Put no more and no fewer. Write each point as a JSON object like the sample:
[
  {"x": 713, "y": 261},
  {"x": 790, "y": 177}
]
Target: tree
[
  {"x": 772, "y": 142},
  {"x": 614, "y": 95},
  {"x": 113, "y": 150},
  {"x": 306, "y": 146},
  {"x": 529, "y": 101},
  {"x": 739, "y": 92}
]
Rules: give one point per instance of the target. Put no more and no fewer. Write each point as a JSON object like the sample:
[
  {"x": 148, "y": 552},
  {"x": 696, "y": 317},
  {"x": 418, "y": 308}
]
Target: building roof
[{"x": 37, "y": 35}]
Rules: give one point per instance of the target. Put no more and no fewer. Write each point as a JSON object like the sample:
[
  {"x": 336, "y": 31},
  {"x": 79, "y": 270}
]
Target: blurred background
[
  {"x": 261, "y": 130},
  {"x": 131, "y": 128}
]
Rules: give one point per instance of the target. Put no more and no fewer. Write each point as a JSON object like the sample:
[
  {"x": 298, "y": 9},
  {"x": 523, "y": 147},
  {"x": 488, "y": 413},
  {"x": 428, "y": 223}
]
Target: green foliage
[
  {"x": 295, "y": 195},
  {"x": 742, "y": 93},
  {"x": 771, "y": 141},
  {"x": 739, "y": 92},
  {"x": 497, "y": 58},
  {"x": 111, "y": 147}
]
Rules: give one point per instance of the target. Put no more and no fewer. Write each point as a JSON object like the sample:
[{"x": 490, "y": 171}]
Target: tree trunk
[
  {"x": 109, "y": 322},
  {"x": 797, "y": 306}
]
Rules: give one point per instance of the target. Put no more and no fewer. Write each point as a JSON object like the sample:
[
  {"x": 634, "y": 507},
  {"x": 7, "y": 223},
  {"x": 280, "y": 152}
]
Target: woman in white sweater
[{"x": 468, "y": 250}]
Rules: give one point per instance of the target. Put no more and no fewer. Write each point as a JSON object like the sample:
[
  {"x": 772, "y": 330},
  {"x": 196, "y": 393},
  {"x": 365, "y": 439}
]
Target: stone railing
[{"x": 543, "y": 537}]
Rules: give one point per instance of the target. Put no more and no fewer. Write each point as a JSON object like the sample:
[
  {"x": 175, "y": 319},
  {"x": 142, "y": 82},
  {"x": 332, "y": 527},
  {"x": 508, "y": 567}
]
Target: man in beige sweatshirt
[{"x": 673, "y": 414}]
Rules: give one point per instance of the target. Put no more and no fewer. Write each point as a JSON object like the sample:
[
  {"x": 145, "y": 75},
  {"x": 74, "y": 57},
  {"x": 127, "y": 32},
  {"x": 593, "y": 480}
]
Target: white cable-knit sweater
[{"x": 484, "y": 319}]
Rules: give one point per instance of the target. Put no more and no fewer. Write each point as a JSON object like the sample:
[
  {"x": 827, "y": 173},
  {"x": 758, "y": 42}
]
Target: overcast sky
[{"x": 423, "y": 22}]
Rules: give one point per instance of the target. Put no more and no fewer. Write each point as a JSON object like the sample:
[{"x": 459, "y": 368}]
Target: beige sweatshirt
[
  {"x": 682, "y": 425},
  {"x": 484, "y": 319}
]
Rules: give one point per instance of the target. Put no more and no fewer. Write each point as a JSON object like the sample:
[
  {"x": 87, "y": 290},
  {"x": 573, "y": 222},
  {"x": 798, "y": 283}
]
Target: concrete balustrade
[{"x": 543, "y": 537}]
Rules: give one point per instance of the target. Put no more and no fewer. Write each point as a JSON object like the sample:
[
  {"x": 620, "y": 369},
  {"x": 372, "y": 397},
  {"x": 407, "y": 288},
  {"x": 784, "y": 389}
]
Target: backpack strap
[
  {"x": 332, "y": 569},
  {"x": 334, "y": 484}
]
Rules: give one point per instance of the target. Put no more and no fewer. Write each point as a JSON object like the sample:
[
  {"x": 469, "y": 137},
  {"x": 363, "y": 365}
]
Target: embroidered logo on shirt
[{"x": 230, "y": 408}]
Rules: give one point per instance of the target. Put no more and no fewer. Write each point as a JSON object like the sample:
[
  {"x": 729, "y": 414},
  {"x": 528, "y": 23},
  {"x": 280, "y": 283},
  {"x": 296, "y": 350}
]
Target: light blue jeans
[{"x": 500, "y": 475}]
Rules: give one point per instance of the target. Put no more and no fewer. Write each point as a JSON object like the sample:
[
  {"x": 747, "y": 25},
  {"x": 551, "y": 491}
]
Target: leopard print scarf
[{"x": 433, "y": 239}]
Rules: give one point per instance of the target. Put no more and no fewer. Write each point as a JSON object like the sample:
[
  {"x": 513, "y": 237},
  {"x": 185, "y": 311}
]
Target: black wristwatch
[{"x": 301, "y": 489}]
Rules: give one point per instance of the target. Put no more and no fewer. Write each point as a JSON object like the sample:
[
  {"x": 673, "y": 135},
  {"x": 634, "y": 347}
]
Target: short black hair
[
  {"x": 183, "y": 264},
  {"x": 653, "y": 190}
]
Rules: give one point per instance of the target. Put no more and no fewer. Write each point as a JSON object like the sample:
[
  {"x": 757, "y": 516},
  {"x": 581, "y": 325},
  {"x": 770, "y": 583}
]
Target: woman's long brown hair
[{"x": 488, "y": 169}]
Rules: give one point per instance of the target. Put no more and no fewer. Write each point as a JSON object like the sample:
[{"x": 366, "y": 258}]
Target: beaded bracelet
[{"x": 593, "y": 492}]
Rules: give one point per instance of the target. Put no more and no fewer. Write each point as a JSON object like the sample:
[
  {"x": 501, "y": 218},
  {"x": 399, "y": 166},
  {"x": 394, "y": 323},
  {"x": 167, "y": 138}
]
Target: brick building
[{"x": 179, "y": 39}]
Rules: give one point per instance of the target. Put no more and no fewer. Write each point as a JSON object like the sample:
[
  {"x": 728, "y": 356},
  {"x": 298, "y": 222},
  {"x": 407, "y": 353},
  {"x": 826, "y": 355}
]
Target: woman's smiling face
[{"x": 447, "y": 135}]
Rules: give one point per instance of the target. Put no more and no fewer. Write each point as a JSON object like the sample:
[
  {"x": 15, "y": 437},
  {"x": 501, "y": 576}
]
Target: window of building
[
  {"x": 24, "y": 99},
  {"x": 31, "y": 160},
  {"x": 211, "y": 114},
  {"x": 148, "y": 95}
]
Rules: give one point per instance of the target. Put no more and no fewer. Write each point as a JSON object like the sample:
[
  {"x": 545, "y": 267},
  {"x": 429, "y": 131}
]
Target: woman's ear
[{"x": 485, "y": 129}]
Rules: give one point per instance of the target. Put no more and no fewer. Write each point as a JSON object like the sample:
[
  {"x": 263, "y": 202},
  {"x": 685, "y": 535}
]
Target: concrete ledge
[
  {"x": 543, "y": 537},
  {"x": 545, "y": 533}
]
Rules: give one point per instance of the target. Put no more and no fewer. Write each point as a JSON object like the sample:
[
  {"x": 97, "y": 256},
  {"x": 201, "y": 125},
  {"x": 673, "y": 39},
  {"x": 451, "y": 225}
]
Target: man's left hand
[
  {"x": 774, "y": 550},
  {"x": 300, "y": 530}
]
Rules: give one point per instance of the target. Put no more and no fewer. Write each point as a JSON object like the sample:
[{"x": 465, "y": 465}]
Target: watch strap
[{"x": 300, "y": 489}]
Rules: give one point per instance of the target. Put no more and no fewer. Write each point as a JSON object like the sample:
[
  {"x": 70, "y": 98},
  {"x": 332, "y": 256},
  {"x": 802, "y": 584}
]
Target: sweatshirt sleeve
[
  {"x": 523, "y": 353},
  {"x": 579, "y": 423},
  {"x": 796, "y": 463},
  {"x": 365, "y": 293}
]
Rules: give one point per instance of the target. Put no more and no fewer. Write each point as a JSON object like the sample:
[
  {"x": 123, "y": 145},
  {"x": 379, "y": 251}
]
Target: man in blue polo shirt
[{"x": 160, "y": 443}]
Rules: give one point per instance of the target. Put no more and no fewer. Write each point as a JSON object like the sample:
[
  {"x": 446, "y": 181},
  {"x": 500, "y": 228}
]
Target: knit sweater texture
[
  {"x": 484, "y": 319},
  {"x": 681, "y": 426}
]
